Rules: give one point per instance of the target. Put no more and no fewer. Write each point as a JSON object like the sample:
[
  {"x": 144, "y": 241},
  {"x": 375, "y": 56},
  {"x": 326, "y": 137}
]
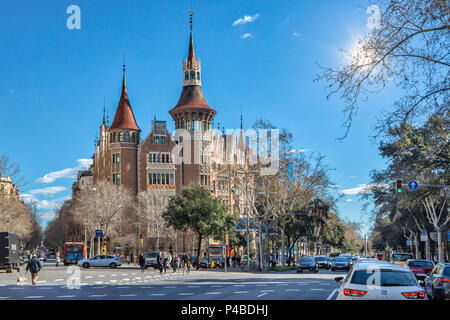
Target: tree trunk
[
  {"x": 199, "y": 247},
  {"x": 440, "y": 256},
  {"x": 416, "y": 245},
  {"x": 282, "y": 247},
  {"x": 427, "y": 248}
]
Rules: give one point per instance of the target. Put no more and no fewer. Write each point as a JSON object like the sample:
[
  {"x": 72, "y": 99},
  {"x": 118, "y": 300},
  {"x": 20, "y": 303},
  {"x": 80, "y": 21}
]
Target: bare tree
[
  {"x": 409, "y": 48},
  {"x": 151, "y": 204},
  {"x": 9, "y": 168},
  {"x": 103, "y": 205}
]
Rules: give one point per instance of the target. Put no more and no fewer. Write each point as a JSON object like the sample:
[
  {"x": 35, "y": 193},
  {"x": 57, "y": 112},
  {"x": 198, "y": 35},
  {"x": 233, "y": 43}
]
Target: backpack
[{"x": 35, "y": 265}]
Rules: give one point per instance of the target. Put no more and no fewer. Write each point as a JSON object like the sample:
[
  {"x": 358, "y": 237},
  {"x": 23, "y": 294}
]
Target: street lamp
[{"x": 246, "y": 173}]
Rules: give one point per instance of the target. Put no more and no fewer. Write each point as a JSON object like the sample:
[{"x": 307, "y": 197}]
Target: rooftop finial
[
  {"x": 123, "y": 82},
  {"x": 241, "y": 118},
  {"x": 191, "y": 14}
]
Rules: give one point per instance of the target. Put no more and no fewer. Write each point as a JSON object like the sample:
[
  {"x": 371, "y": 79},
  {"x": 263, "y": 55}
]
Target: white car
[
  {"x": 379, "y": 281},
  {"x": 101, "y": 260}
]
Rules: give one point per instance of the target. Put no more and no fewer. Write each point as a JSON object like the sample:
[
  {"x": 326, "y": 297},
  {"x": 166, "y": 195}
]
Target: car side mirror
[{"x": 338, "y": 279}]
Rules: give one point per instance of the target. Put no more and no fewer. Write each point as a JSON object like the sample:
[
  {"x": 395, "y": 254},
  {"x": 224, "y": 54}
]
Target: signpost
[
  {"x": 423, "y": 236},
  {"x": 413, "y": 185},
  {"x": 98, "y": 233}
]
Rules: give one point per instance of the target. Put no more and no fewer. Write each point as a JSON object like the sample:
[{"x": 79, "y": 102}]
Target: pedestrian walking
[
  {"x": 160, "y": 261},
  {"x": 165, "y": 261},
  {"x": 58, "y": 260},
  {"x": 185, "y": 262},
  {"x": 142, "y": 262},
  {"x": 175, "y": 263},
  {"x": 34, "y": 265}
]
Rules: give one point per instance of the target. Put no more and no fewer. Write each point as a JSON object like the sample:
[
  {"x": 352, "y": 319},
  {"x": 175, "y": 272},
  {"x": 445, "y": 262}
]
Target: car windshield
[
  {"x": 384, "y": 278},
  {"x": 152, "y": 254},
  {"x": 401, "y": 257},
  {"x": 340, "y": 259},
  {"x": 426, "y": 264},
  {"x": 306, "y": 260},
  {"x": 321, "y": 259}
]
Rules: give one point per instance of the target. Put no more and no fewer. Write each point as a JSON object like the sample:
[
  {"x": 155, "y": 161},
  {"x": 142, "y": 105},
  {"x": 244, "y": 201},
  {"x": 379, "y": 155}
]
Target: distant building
[
  {"x": 85, "y": 179},
  {"x": 7, "y": 188}
]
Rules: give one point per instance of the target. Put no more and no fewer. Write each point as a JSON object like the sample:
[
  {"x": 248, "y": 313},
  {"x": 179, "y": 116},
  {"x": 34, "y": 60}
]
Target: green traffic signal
[{"x": 398, "y": 185}]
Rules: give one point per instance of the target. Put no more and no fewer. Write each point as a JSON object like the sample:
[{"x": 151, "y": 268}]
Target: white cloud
[
  {"x": 361, "y": 188},
  {"x": 52, "y": 204},
  {"x": 48, "y": 191},
  {"x": 245, "y": 19},
  {"x": 65, "y": 173},
  {"x": 247, "y": 35},
  {"x": 27, "y": 198},
  {"x": 297, "y": 150}
]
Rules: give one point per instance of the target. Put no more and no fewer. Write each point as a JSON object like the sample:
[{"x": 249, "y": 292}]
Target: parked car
[
  {"x": 401, "y": 258},
  {"x": 307, "y": 263},
  {"x": 379, "y": 281},
  {"x": 204, "y": 263},
  {"x": 340, "y": 263},
  {"x": 321, "y": 261},
  {"x": 420, "y": 268},
  {"x": 437, "y": 284},
  {"x": 101, "y": 260},
  {"x": 151, "y": 259}
]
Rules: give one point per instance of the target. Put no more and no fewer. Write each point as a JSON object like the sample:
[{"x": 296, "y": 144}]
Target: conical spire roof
[{"x": 124, "y": 117}]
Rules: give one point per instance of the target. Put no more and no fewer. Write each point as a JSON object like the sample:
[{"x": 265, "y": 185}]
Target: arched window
[
  {"x": 198, "y": 75},
  {"x": 127, "y": 136},
  {"x": 133, "y": 137},
  {"x": 186, "y": 75},
  {"x": 192, "y": 75},
  {"x": 121, "y": 137},
  {"x": 115, "y": 137}
]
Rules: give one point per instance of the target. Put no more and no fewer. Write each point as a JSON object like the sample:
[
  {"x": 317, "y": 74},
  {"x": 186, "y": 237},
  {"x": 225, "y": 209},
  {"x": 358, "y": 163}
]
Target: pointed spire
[
  {"x": 104, "y": 115},
  {"x": 191, "y": 53},
  {"x": 241, "y": 119},
  {"x": 124, "y": 117},
  {"x": 123, "y": 81}
]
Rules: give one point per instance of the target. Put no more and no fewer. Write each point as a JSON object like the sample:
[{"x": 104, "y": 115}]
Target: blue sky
[{"x": 54, "y": 81}]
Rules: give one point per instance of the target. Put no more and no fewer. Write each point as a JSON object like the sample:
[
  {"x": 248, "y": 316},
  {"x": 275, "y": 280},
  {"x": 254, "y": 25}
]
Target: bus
[{"x": 73, "y": 252}]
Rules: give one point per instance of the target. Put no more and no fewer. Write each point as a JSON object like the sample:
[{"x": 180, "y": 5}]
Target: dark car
[
  {"x": 420, "y": 268},
  {"x": 307, "y": 263},
  {"x": 321, "y": 261},
  {"x": 204, "y": 263},
  {"x": 340, "y": 263},
  {"x": 151, "y": 259},
  {"x": 437, "y": 284}
]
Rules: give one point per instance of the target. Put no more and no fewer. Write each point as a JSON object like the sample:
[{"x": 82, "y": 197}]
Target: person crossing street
[{"x": 34, "y": 265}]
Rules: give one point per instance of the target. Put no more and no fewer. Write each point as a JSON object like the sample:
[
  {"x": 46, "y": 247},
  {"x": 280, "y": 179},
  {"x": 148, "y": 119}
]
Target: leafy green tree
[{"x": 199, "y": 211}]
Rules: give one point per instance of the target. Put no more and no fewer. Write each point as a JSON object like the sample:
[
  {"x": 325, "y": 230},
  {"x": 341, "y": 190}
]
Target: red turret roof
[{"x": 124, "y": 117}]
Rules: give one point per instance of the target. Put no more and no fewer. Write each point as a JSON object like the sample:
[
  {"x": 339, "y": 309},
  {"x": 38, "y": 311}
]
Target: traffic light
[{"x": 398, "y": 186}]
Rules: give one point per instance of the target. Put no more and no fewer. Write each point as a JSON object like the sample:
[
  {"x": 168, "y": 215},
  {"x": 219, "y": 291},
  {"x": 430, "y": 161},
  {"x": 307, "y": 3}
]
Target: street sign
[
  {"x": 423, "y": 236},
  {"x": 413, "y": 185},
  {"x": 98, "y": 233},
  {"x": 434, "y": 236}
]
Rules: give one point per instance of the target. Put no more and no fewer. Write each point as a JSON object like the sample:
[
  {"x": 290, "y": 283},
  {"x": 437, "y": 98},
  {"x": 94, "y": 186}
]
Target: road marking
[
  {"x": 267, "y": 290},
  {"x": 282, "y": 284},
  {"x": 238, "y": 285},
  {"x": 33, "y": 297},
  {"x": 214, "y": 292},
  {"x": 186, "y": 294},
  {"x": 134, "y": 273},
  {"x": 158, "y": 294},
  {"x": 42, "y": 281},
  {"x": 332, "y": 294},
  {"x": 216, "y": 286},
  {"x": 241, "y": 292},
  {"x": 128, "y": 295},
  {"x": 172, "y": 287},
  {"x": 45, "y": 288},
  {"x": 98, "y": 282},
  {"x": 126, "y": 279},
  {"x": 97, "y": 295},
  {"x": 316, "y": 289},
  {"x": 59, "y": 280},
  {"x": 292, "y": 289},
  {"x": 4, "y": 297},
  {"x": 113, "y": 280},
  {"x": 113, "y": 275},
  {"x": 101, "y": 276},
  {"x": 261, "y": 285},
  {"x": 262, "y": 295},
  {"x": 88, "y": 277},
  {"x": 68, "y": 296},
  {"x": 123, "y": 274},
  {"x": 193, "y": 286},
  {"x": 146, "y": 287}
]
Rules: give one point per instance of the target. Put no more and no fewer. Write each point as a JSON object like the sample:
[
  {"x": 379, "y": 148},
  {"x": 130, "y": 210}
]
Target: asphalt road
[{"x": 128, "y": 283}]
